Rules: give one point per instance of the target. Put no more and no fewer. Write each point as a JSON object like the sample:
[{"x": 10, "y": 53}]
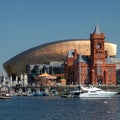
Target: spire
[
  {"x": 108, "y": 60},
  {"x": 80, "y": 59},
  {"x": 70, "y": 53},
  {"x": 97, "y": 30}
]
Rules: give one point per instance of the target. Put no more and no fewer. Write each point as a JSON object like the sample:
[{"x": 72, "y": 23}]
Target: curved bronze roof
[{"x": 53, "y": 51}]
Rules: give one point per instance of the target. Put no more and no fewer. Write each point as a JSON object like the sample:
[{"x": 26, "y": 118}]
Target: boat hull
[
  {"x": 97, "y": 95},
  {"x": 5, "y": 97}
]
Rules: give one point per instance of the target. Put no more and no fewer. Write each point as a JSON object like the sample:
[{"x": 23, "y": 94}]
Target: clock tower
[{"x": 97, "y": 55}]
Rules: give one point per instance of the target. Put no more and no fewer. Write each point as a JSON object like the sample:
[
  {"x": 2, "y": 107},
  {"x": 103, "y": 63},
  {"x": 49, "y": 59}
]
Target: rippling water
[{"x": 56, "y": 108}]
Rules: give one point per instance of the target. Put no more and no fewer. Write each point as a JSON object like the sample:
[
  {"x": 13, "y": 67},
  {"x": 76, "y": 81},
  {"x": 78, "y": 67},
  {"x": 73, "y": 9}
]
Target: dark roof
[{"x": 97, "y": 29}]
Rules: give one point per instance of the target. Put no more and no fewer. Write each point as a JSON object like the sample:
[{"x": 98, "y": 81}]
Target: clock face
[{"x": 98, "y": 45}]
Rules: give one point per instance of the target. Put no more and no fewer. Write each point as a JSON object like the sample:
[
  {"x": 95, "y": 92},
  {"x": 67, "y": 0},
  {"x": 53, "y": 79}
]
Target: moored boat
[
  {"x": 67, "y": 95},
  {"x": 94, "y": 92},
  {"x": 5, "y": 96}
]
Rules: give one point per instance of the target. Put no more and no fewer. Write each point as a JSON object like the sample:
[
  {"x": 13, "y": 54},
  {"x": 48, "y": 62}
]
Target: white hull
[
  {"x": 97, "y": 95},
  {"x": 94, "y": 92}
]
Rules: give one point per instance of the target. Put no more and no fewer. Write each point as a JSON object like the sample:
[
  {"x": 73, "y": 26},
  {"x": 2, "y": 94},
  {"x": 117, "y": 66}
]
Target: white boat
[
  {"x": 94, "y": 92},
  {"x": 5, "y": 96}
]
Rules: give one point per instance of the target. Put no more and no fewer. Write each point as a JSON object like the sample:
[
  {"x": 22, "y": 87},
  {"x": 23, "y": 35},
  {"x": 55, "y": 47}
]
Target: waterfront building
[
  {"x": 4, "y": 80},
  {"x": 94, "y": 69},
  {"x": 43, "y": 54},
  {"x": 55, "y": 68}
]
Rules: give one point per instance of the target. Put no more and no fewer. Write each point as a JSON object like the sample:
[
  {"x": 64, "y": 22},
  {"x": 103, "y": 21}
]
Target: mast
[{"x": 79, "y": 69}]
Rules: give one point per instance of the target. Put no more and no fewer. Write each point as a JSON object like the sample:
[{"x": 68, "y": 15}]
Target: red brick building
[{"x": 94, "y": 69}]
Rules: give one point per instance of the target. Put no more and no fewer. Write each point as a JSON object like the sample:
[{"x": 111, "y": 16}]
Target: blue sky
[{"x": 28, "y": 23}]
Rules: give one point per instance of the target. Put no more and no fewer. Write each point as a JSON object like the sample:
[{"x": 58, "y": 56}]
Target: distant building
[
  {"x": 53, "y": 51},
  {"x": 53, "y": 68},
  {"x": 117, "y": 62},
  {"x": 43, "y": 54},
  {"x": 94, "y": 69},
  {"x": 4, "y": 80}
]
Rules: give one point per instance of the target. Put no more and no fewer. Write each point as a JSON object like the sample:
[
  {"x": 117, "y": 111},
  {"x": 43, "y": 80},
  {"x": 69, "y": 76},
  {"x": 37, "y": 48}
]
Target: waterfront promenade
[{"x": 60, "y": 88}]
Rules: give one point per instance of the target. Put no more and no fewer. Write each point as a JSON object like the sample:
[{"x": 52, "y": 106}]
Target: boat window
[
  {"x": 98, "y": 90},
  {"x": 93, "y": 91},
  {"x": 83, "y": 91}
]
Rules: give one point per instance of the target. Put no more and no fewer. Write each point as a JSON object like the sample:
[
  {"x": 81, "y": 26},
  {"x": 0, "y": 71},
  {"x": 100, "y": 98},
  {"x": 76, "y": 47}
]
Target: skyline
[{"x": 25, "y": 24}]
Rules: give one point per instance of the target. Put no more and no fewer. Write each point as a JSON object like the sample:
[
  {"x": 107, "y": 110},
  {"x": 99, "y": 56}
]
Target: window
[
  {"x": 110, "y": 79},
  {"x": 110, "y": 70}
]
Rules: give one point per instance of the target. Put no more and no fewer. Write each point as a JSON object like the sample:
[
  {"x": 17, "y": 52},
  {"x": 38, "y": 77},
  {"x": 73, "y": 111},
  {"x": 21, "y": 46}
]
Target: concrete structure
[{"x": 95, "y": 69}]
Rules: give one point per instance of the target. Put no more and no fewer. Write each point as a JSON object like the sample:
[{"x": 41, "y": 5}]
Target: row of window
[{"x": 98, "y": 70}]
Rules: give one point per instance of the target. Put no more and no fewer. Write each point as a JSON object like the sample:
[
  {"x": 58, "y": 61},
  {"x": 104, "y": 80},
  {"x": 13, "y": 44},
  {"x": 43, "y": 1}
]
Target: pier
[{"x": 22, "y": 90}]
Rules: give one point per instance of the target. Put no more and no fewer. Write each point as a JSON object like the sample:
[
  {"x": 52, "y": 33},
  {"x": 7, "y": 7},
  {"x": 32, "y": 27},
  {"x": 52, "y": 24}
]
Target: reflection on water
[{"x": 56, "y": 108}]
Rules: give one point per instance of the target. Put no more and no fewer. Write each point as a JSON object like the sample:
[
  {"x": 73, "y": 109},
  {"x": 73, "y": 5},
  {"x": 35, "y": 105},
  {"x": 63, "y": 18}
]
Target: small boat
[
  {"x": 5, "y": 96},
  {"x": 94, "y": 92},
  {"x": 71, "y": 94},
  {"x": 42, "y": 93},
  {"x": 67, "y": 95}
]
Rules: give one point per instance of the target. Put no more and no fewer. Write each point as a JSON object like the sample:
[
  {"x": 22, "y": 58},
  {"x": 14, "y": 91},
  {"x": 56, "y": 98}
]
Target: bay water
[{"x": 57, "y": 108}]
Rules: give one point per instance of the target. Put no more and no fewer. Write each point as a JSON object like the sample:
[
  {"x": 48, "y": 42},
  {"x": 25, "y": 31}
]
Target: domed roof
[{"x": 53, "y": 51}]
